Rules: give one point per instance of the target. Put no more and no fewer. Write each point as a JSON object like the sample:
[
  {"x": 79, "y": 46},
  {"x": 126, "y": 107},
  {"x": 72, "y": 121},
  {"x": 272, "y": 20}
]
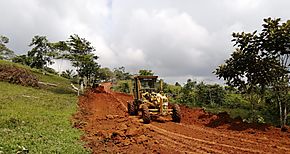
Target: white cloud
[
  {"x": 175, "y": 39},
  {"x": 243, "y": 5},
  {"x": 171, "y": 40}
]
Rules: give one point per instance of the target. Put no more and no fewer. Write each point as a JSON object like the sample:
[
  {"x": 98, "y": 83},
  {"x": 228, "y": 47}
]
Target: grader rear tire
[
  {"x": 146, "y": 114},
  {"x": 176, "y": 115},
  {"x": 131, "y": 108}
]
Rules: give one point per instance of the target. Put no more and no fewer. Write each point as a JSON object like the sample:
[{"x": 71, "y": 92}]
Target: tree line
[
  {"x": 256, "y": 74},
  {"x": 77, "y": 50}
]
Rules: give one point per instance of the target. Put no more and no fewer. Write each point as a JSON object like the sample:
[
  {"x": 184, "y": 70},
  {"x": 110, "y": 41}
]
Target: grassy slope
[{"x": 38, "y": 120}]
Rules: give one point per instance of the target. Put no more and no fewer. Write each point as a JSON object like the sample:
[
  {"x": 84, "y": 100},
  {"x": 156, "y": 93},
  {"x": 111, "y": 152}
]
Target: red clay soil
[{"x": 109, "y": 129}]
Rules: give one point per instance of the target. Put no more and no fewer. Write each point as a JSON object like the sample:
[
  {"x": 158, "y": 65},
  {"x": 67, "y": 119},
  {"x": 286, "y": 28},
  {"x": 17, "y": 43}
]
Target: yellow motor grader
[{"x": 150, "y": 102}]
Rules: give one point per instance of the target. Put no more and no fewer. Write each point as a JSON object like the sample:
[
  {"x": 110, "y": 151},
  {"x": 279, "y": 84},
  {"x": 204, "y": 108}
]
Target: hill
[{"x": 38, "y": 119}]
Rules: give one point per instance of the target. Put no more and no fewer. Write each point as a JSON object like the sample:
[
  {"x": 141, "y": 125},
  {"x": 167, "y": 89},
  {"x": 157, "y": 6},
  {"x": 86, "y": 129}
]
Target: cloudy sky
[{"x": 177, "y": 39}]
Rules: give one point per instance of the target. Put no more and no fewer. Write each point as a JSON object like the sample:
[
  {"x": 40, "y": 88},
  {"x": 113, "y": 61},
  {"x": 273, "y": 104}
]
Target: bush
[
  {"x": 124, "y": 86},
  {"x": 236, "y": 101}
]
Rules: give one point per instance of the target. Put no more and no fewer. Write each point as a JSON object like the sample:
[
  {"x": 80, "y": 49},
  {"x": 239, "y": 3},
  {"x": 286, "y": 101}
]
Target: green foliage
[
  {"x": 105, "y": 75},
  {"x": 5, "y": 52},
  {"x": 172, "y": 89},
  {"x": 121, "y": 74},
  {"x": 177, "y": 84},
  {"x": 67, "y": 74},
  {"x": 82, "y": 57},
  {"x": 210, "y": 94},
  {"x": 40, "y": 54},
  {"x": 124, "y": 86},
  {"x": 146, "y": 72},
  {"x": 22, "y": 59},
  {"x": 261, "y": 61},
  {"x": 188, "y": 95},
  {"x": 80, "y": 52},
  {"x": 235, "y": 101},
  {"x": 201, "y": 94}
]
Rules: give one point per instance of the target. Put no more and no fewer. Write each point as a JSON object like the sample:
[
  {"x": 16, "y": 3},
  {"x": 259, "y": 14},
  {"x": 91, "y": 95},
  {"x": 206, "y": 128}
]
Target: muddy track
[{"x": 109, "y": 129}]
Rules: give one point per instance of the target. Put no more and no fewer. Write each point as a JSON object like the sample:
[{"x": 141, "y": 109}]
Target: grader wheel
[
  {"x": 176, "y": 115},
  {"x": 131, "y": 108},
  {"x": 145, "y": 114}
]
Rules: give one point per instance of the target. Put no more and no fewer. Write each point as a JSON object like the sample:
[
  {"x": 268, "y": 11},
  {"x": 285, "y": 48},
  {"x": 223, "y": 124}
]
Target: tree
[
  {"x": 261, "y": 61},
  {"x": 210, "y": 94},
  {"x": 5, "y": 52},
  {"x": 278, "y": 46},
  {"x": 173, "y": 91},
  {"x": 80, "y": 52},
  {"x": 41, "y": 53},
  {"x": 146, "y": 72},
  {"x": 22, "y": 59},
  {"x": 177, "y": 84},
  {"x": 188, "y": 93},
  {"x": 121, "y": 74},
  {"x": 105, "y": 74}
]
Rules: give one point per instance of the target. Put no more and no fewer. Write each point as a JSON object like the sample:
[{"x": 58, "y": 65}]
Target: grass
[{"x": 37, "y": 120}]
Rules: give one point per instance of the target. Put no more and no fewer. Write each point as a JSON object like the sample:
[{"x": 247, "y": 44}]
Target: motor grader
[{"x": 151, "y": 102}]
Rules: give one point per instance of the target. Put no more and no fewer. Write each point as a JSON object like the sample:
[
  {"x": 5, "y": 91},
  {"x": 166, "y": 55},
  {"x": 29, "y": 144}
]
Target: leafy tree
[
  {"x": 173, "y": 91},
  {"x": 41, "y": 53},
  {"x": 105, "y": 74},
  {"x": 22, "y": 59},
  {"x": 146, "y": 72},
  {"x": 210, "y": 94},
  {"x": 187, "y": 94},
  {"x": 121, "y": 74},
  {"x": 80, "y": 52},
  {"x": 5, "y": 52},
  {"x": 260, "y": 61}
]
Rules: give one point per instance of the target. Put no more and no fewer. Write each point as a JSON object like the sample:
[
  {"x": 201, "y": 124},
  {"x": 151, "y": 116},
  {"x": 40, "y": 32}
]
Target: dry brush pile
[{"x": 17, "y": 75}]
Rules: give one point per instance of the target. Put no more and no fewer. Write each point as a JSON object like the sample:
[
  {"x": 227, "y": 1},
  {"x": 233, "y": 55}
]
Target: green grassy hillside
[{"x": 37, "y": 120}]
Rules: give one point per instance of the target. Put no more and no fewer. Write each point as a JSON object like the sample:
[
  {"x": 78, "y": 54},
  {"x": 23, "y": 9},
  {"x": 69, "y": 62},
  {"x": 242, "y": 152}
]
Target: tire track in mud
[
  {"x": 205, "y": 146},
  {"x": 183, "y": 145},
  {"x": 187, "y": 143},
  {"x": 183, "y": 141},
  {"x": 171, "y": 143},
  {"x": 170, "y": 137},
  {"x": 252, "y": 140},
  {"x": 175, "y": 146}
]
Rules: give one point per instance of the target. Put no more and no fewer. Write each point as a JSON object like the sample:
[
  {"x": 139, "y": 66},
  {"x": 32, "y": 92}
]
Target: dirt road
[{"x": 109, "y": 129}]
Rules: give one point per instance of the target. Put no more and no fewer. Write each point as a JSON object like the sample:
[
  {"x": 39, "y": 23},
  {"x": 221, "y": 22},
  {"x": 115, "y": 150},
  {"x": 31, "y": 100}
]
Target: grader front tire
[
  {"x": 176, "y": 115},
  {"x": 146, "y": 114},
  {"x": 131, "y": 108}
]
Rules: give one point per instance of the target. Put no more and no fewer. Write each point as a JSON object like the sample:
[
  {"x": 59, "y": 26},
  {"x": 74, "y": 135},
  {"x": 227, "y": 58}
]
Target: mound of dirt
[
  {"x": 222, "y": 120},
  {"x": 195, "y": 116},
  {"x": 16, "y": 75}
]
